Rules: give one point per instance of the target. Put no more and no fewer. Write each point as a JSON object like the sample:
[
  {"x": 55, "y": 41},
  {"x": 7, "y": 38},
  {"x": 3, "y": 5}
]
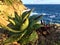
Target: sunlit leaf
[
  {"x": 33, "y": 37},
  {"x": 26, "y": 14}
]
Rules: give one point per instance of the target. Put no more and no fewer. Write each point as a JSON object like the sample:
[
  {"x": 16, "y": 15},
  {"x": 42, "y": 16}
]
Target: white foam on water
[
  {"x": 52, "y": 16},
  {"x": 34, "y": 13},
  {"x": 43, "y": 14}
]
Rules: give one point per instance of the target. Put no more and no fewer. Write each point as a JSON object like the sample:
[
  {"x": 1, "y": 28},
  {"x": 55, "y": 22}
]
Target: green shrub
[{"x": 23, "y": 28}]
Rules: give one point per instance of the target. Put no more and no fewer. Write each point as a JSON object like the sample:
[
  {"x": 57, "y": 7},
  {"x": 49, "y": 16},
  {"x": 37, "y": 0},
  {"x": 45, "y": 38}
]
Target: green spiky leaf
[
  {"x": 17, "y": 17},
  {"x": 26, "y": 14},
  {"x": 15, "y": 37},
  {"x": 9, "y": 29},
  {"x": 24, "y": 25},
  {"x": 34, "y": 19},
  {"x": 36, "y": 26},
  {"x": 33, "y": 37}
]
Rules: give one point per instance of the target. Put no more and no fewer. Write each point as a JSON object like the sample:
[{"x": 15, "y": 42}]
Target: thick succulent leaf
[
  {"x": 36, "y": 26},
  {"x": 12, "y": 22},
  {"x": 25, "y": 38},
  {"x": 15, "y": 25},
  {"x": 38, "y": 17},
  {"x": 31, "y": 24},
  {"x": 31, "y": 32},
  {"x": 17, "y": 16},
  {"x": 26, "y": 14},
  {"x": 30, "y": 36},
  {"x": 17, "y": 19},
  {"x": 15, "y": 37},
  {"x": 9, "y": 29},
  {"x": 32, "y": 17},
  {"x": 10, "y": 17},
  {"x": 35, "y": 17},
  {"x": 24, "y": 25},
  {"x": 33, "y": 37},
  {"x": 24, "y": 41},
  {"x": 12, "y": 30}
]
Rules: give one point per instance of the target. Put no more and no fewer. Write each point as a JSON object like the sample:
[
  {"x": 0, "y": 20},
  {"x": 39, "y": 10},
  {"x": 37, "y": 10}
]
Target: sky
[{"x": 41, "y": 1}]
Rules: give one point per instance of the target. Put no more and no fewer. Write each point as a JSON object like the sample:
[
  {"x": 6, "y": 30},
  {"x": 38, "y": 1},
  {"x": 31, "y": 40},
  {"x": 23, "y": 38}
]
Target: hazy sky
[{"x": 41, "y": 1}]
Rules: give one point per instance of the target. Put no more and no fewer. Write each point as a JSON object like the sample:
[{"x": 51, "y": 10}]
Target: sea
[{"x": 50, "y": 12}]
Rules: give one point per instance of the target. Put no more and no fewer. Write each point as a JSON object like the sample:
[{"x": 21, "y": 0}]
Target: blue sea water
[{"x": 51, "y": 12}]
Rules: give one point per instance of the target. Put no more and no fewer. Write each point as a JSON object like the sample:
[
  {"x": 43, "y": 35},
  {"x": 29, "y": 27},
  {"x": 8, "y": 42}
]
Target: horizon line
[{"x": 42, "y": 4}]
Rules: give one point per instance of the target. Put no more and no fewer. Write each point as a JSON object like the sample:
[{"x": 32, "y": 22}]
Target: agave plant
[{"x": 23, "y": 28}]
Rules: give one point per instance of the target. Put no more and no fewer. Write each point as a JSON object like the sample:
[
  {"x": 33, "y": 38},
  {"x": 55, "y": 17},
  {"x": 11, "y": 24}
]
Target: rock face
[{"x": 8, "y": 7}]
